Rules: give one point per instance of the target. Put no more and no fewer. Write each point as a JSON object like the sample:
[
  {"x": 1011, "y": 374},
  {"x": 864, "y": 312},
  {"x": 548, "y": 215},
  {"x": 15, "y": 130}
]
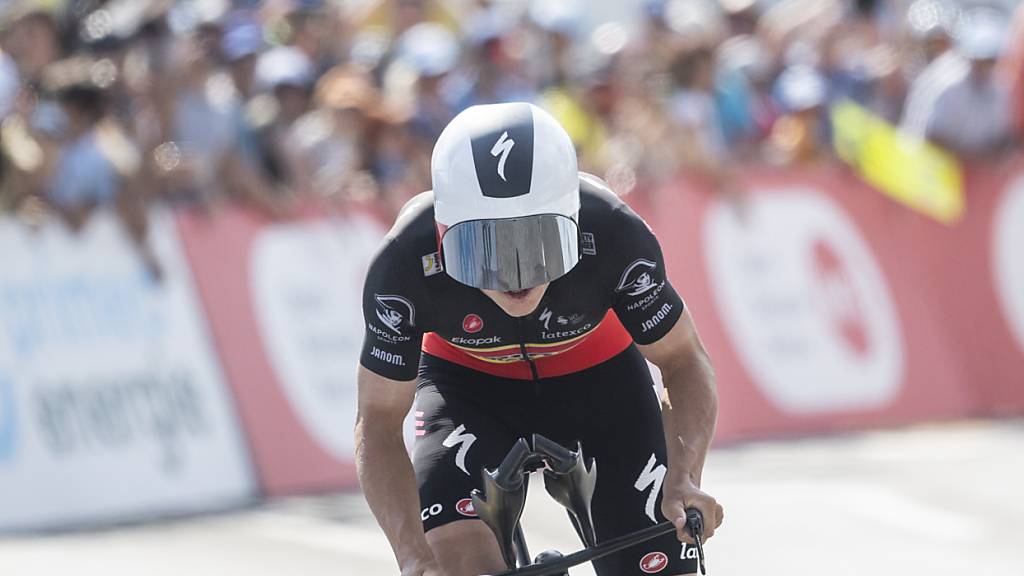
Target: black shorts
[{"x": 468, "y": 420}]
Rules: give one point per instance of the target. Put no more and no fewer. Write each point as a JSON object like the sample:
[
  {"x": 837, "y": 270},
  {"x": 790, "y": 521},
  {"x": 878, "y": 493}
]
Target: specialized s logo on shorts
[
  {"x": 652, "y": 477},
  {"x": 393, "y": 310},
  {"x": 464, "y": 440},
  {"x": 636, "y": 278}
]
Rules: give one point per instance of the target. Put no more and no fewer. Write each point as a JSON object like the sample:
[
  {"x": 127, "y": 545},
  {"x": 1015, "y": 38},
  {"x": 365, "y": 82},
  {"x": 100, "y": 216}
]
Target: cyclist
[{"x": 526, "y": 297}]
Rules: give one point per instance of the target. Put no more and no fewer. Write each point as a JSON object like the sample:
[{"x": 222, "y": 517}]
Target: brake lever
[{"x": 695, "y": 526}]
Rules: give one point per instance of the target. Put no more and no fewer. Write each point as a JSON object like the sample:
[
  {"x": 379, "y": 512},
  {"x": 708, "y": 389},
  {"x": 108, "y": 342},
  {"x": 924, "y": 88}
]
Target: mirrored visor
[{"x": 511, "y": 254}]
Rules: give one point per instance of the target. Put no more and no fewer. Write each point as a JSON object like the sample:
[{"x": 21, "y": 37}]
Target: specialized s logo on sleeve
[{"x": 636, "y": 278}]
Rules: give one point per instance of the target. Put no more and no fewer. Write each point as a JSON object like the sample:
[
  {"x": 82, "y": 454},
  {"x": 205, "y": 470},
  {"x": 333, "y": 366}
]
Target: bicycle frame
[{"x": 570, "y": 480}]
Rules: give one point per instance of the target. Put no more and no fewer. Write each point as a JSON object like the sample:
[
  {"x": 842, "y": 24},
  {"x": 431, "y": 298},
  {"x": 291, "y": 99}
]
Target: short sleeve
[
  {"x": 392, "y": 314},
  {"x": 644, "y": 300}
]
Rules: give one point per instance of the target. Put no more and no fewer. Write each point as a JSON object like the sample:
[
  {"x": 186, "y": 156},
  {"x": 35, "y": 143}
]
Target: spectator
[
  {"x": 8, "y": 84},
  {"x": 32, "y": 40},
  {"x": 801, "y": 134},
  {"x": 284, "y": 77},
  {"x": 694, "y": 112},
  {"x": 199, "y": 130},
  {"x": 337, "y": 142},
  {"x": 96, "y": 165},
  {"x": 749, "y": 56},
  {"x": 743, "y": 15},
  {"x": 240, "y": 49},
  {"x": 288, "y": 74},
  {"x": 200, "y": 161},
  {"x": 886, "y": 84},
  {"x": 556, "y": 25},
  {"x": 223, "y": 103},
  {"x": 315, "y": 30},
  {"x": 427, "y": 55},
  {"x": 492, "y": 72},
  {"x": 85, "y": 177},
  {"x": 735, "y": 101},
  {"x": 930, "y": 23},
  {"x": 1013, "y": 72},
  {"x": 986, "y": 129},
  {"x": 695, "y": 117}
]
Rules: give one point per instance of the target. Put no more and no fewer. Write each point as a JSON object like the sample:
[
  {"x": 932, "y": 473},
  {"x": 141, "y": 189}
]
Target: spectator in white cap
[
  {"x": 551, "y": 53},
  {"x": 491, "y": 72},
  {"x": 287, "y": 73},
  {"x": 801, "y": 134},
  {"x": 240, "y": 48},
  {"x": 971, "y": 116},
  {"x": 930, "y": 24},
  {"x": 427, "y": 54}
]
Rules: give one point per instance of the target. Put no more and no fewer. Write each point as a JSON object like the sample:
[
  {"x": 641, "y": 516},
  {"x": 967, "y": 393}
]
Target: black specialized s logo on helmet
[{"x": 503, "y": 153}]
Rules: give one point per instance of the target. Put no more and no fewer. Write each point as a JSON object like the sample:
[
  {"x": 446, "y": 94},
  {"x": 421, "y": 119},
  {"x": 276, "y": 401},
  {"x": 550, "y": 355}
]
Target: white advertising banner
[
  {"x": 1007, "y": 261},
  {"x": 805, "y": 303},
  {"x": 112, "y": 402},
  {"x": 307, "y": 285}
]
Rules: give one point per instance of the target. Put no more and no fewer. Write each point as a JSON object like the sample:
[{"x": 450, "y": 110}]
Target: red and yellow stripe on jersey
[
  {"x": 551, "y": 359},
  {"x": 513, "y": 352}
]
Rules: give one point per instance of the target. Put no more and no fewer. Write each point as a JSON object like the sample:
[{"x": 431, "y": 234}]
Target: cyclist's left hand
[{"x": 679, "y": 493}]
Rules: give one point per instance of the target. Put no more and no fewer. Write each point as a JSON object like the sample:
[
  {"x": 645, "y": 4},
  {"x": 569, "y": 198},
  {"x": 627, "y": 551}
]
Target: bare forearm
[
  {"x": 389, "y": 485},
  {"x": 689, "y": 413}
]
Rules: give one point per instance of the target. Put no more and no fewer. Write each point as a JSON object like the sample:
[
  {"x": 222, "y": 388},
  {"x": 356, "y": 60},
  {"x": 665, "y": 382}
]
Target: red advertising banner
[
  {"x": 978, "y": 273},
  {"x": 283, "y": 302},
  {"x": 825, "y": 306}
]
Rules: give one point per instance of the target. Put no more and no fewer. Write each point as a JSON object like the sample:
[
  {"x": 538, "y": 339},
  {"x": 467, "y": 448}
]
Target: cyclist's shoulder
[
  {"x": 596, "y": 195},
  {"x": 411, "y": 239},
  {"x": 415, "y": 218},
  {"x": 602, "y": 209}
]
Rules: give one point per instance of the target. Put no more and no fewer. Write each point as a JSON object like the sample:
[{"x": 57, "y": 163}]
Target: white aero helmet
[{"x": 506, "y": 197}]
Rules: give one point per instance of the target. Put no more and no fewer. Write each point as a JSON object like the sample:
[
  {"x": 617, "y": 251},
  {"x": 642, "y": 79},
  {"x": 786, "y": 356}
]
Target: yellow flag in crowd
[{"x": 913, "y": 172}]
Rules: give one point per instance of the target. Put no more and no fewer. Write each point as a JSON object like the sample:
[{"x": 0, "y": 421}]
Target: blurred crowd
[{"x": 126, "y": 103}]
